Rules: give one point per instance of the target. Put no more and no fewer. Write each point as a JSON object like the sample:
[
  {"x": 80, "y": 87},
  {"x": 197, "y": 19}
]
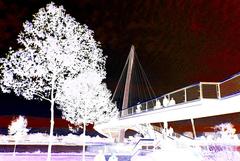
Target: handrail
[
  {"x": 181, "y": 89},
  {"x": 175, "y": 134},
  {"x": 190, "y": 86},
  {"x": 143, "y": 111},
  {"x": 141, "y": 140},
  {"x": 183, "y": 135},
  {"x": 178, "y": 90},
  {"x": 212, "y": 83},
  {"x": 218, "y": 92},
  {"x": 230, "y": 95},
  {"x": 231, "y": 77},
  {"x": 136, "y": 151}
]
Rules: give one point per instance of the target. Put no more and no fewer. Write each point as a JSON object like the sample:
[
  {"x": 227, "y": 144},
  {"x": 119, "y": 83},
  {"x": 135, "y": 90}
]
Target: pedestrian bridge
[{"x": 203, "y": 99}]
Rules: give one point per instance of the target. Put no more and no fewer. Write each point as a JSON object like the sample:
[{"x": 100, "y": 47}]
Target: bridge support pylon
[
  {"x": 193, "y": 128},
  {"x": 165, "y": 128},
  {"x": 121, "y": 135}
]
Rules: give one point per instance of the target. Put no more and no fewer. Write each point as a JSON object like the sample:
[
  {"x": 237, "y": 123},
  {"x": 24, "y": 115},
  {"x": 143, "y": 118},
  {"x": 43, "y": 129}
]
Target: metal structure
[
  {"x": 196, "y": 92},
  {"x": 128, "y": 79},
  {"x": 199, "y": 100}
]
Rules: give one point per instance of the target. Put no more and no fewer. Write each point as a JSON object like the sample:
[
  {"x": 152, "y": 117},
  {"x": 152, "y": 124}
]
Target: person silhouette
[
  {"x": 172, "y": 102},
  {"x": 158, "y": 104},
  {"x": 138, "y": 110},
  {"x": 170, "y": 131},
  {"x": 165, "y": 101}
]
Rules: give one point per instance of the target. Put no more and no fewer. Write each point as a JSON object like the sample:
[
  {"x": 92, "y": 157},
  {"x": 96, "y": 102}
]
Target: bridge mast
[
  {"x": 128, "y": 79},
  {"x": 130, "y": 60}
]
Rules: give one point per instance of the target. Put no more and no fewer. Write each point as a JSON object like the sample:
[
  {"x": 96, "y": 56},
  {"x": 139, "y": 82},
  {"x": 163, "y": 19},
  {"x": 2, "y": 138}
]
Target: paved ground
[
  {"x": 42, "y": 157},
  {"x": 55, "y": 157}
]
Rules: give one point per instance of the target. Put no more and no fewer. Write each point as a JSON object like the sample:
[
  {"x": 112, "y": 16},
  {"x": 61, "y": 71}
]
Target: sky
[{"x": 178, "y": 42}]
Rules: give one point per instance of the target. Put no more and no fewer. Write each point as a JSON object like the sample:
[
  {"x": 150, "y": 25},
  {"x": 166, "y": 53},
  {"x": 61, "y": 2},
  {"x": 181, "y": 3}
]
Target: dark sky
[{"x": 178, "y": 42}]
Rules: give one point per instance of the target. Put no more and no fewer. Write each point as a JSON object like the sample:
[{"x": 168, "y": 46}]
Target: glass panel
[
  {"x": 230, "y": 87},
  {"x": 134, "y": 109},
  {"x": 161, "y": 100},
  {"x": 130, "y": 111},
  {"x": 209, "y": 91},
  {"x": 150, "y": 104},
  {"x": 143, "y": 107},
  {"x": 124, "y": 112},
  {"x": 178, "y": 96},
  {"x": 193, "y": 93}
]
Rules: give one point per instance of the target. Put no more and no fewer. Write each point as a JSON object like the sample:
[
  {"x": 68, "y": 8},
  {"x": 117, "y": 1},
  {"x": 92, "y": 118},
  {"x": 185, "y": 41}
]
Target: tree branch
[{"x": 39, "y": 95}]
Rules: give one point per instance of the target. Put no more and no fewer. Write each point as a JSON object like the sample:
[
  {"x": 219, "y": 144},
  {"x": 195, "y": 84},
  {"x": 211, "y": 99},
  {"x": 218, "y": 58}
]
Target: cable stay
[{"x": 133, "y": 86}]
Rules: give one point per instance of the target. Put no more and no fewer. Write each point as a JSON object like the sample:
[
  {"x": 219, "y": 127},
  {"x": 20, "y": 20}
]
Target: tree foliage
[
  {"x": 54, "y": 48},
  {"x": 18, "y": 127},
  {"x": 86, "y": 99}
]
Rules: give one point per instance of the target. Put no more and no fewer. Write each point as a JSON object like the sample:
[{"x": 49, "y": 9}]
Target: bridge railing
[
  {"x": 202, "y": 90},
  {"x": 206, "y": 90},
  {"x": 230, "y": 86}
]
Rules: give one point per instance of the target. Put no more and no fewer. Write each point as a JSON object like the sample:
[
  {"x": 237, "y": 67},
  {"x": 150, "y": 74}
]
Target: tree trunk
[
  {"x": 52, "y": 120},
  {"x": 14, "y": 149},
  {"x": 51, "y": 132},
  {"x": 84, "y": 133}
]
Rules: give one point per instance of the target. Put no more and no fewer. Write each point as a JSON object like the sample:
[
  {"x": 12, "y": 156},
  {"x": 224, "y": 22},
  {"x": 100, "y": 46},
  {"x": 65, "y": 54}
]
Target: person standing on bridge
[
  {"x": 170, "y": 131},
  {"x": 138, "y": 110},
  {"x": 172, "y": 102},
  {"x": 158, "y": 104},
  {"x": 165, "y": 101}
]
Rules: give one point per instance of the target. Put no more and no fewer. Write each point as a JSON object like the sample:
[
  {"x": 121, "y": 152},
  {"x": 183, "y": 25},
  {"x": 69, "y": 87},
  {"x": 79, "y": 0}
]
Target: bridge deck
[
  {"x": 196, "y": 101},
  {"x": 195, "y": 109}
]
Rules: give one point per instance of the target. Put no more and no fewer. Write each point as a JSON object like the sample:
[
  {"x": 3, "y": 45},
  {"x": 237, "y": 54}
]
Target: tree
[
  {"x": 85, "y": 100},
  {"x": 225, "y": 130},
  {"x": 54, "y": 47},
  {"x": 18, "y": 129}
]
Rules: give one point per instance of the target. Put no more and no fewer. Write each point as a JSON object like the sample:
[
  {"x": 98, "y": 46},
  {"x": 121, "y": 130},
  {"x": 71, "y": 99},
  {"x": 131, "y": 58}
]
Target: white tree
[
  {"x": 85, "y": 100},
  {"x": 53, "y": 47},
  {"x": 226, "y": 130},
  {"x": 18, "y": 129}
]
